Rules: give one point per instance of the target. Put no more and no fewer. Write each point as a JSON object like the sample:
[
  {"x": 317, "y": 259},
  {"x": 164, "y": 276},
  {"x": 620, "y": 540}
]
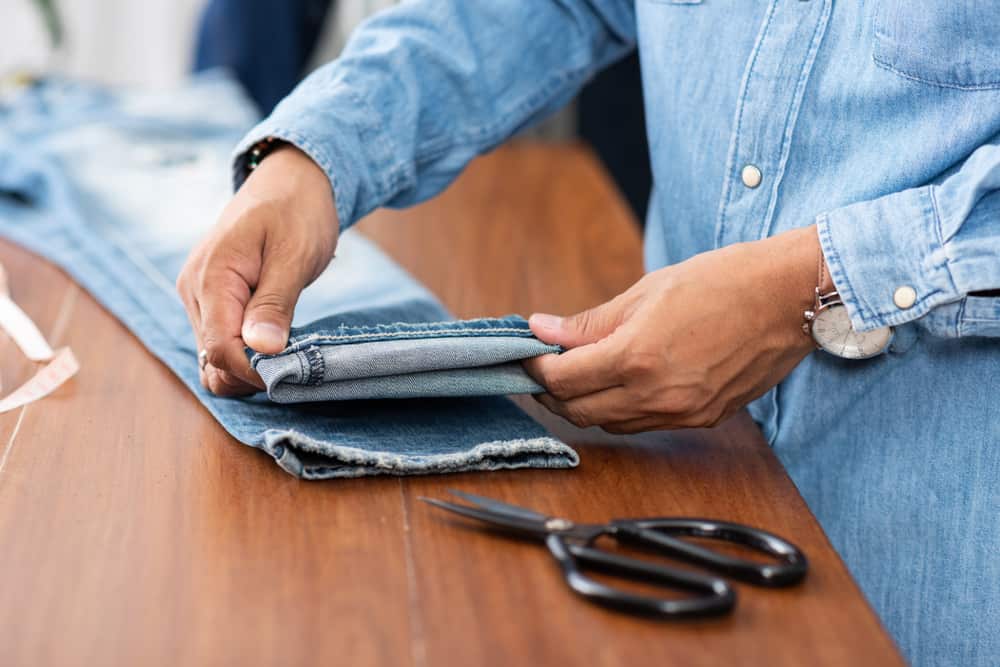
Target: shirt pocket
[{"x": 949, "y": 43}]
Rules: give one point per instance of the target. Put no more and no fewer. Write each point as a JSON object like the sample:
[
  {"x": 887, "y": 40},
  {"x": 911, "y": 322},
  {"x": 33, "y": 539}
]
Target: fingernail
[
  {"x": 546, "y": 321},
  {"x": 264, "y": 335}
]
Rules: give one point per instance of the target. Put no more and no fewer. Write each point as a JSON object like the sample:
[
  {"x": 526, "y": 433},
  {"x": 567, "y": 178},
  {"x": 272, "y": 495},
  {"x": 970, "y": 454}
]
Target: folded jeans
[
  {"x": 387, "y": 357},
  {"x": 117, "y": 187}
]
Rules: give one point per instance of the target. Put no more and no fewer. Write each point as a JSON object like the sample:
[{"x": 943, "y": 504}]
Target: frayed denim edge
[{"x": 348, "y": 462}]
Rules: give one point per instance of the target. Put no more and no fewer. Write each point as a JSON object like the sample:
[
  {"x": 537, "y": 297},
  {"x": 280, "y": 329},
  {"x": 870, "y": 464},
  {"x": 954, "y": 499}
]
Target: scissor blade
[
  {"x": 499, "y": 507},
  {"x": 510, "y": 522}
]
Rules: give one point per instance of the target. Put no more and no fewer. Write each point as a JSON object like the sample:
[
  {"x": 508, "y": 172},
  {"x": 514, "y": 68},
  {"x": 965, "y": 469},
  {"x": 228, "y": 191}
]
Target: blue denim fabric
[
  {"x": 116, "y": 188},
  {"x": 397, "y": 354},
  {"x": 878, "y": 121}
]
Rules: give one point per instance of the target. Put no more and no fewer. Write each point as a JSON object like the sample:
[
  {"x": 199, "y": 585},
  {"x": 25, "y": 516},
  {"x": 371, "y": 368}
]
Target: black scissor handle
[
  {"x": 662, "y": 535},
  {"x": 718, "y": 596}
]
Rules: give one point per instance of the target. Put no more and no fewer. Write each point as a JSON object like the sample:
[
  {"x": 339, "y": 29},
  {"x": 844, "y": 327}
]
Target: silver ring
[{"x": 202, "y": 359}]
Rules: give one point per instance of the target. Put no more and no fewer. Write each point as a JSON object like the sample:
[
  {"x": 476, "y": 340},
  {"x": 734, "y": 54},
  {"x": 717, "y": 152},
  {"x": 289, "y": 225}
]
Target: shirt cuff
[
  {"x": 323, "y": 155},
  {"x": 887, "y": 259},
  {"x": 328, "y": 121}
]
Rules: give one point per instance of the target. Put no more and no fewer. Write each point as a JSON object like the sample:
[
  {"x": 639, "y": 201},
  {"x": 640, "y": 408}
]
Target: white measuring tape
[{"x": 61, "y": 366}]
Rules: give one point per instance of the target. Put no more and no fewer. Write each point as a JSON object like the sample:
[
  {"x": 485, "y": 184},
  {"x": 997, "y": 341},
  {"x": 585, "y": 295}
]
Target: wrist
[
  {"x": 289, "y": 176},
  {"x": 794, "y": 264}
]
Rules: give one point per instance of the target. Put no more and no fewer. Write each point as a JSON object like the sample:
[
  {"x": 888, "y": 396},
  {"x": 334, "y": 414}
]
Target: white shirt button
[
  {"x": 904, "y": 297},
  {"x": 751, "y": 176}
]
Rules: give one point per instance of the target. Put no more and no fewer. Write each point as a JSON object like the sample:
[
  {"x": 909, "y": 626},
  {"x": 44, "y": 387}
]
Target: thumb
[
  {"x": 583, "y": 328},
  {"x": 268, "y": 315}
]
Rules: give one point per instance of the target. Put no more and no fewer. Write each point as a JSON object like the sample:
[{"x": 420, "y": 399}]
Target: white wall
[
  {"x": 116, "y": 41},
  {"x": 151, "y": 42}
]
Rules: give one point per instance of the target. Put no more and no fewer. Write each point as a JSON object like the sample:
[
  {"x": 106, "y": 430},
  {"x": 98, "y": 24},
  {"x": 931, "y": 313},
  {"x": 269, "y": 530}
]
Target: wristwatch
[{"x": 829, "y": 325}]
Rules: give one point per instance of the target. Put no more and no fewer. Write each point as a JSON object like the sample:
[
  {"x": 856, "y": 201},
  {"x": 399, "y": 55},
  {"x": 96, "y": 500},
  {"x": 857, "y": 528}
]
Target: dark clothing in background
[
  {"x": 266, "y": 43},
  {"x": 612, "y": 119}
]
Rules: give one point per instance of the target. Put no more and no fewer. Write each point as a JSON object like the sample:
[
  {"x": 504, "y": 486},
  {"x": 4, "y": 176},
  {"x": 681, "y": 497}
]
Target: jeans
[
  {"x": 386, "y": 354},
  {"x": 116, "y": 188}
]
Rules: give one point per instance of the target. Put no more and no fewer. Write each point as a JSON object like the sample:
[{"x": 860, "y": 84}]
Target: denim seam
[
  {"x": 939, "y": 232},
  {"x": 880, "y": 62},
  {"x": 933, "y": 210},
  {"x": 426, "y": 333},
  {"x": 960, "y": 318},
  {"x": 303, "y": 372},
  {"x": 317, "y": 366},
  {"x": 315, "y": 341},
  {"x": 791, "y": 118},
  {"x": 729, "y": 179}
]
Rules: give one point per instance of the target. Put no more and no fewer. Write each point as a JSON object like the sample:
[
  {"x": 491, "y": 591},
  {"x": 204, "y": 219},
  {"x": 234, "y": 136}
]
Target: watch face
[{"x": 833, "y": 332}]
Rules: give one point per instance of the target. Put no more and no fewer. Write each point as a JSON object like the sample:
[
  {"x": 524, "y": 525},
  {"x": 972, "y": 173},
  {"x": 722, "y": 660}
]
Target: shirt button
[
  {"x": 751, "y": 176},
  {"x": 904, "y": 297}
]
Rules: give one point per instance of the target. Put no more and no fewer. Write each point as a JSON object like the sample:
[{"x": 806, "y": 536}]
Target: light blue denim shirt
[{"x": 878, "y": 120}]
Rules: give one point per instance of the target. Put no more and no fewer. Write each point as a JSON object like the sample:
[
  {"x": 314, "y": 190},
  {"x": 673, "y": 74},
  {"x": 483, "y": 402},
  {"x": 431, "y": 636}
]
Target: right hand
[{"x": 240, "y": 285}]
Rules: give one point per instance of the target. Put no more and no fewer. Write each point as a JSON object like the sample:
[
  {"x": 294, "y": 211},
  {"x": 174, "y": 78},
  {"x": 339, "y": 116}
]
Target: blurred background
[{"x": 271, "y": 45}]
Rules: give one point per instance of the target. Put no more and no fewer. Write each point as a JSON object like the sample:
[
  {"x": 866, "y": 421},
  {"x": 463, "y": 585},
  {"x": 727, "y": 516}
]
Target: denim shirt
[{"x": 879, "y": 121}]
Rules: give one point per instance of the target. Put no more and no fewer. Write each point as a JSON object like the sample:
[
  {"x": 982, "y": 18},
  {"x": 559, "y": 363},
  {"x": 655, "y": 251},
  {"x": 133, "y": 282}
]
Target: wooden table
[{"x": 133, "y": 530}]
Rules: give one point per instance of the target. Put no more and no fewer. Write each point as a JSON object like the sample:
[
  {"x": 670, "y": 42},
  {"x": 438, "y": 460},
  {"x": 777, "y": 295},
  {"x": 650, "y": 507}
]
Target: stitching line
[
  {"x": 317, "y": 366},
  {"x": 303, "y": 374},
  {"x": 429, "y": 333},
  {"x": 991, "y": 85},
  {"x": 730, "y": 177},
  {"x": 791, "y": 118},
  {"x": 960, "y": 318},
  {"x": 932, "y": 209}
]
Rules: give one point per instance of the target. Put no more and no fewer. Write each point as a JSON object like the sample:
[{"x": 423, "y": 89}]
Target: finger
[
  {"x": 194, "y": 316},
  {"x": 611, "y": 405},
  {"x": 221, "y": 383},
  {"x": 582, "y": 328},
  {"x": 578, "y": 372},
  {"x": 268, "y": 316},
  {"x": 198, "y": 345},
  {"x": 221, "y": 303},
  {"x": 190, "y": 302},
  {"x": 664, "y": 422},
  {"x": 642, "y": 425}
]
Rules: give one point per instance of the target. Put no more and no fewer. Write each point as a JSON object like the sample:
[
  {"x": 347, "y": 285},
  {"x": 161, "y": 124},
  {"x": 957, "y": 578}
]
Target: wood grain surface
[{"x": 135, "y": 531}]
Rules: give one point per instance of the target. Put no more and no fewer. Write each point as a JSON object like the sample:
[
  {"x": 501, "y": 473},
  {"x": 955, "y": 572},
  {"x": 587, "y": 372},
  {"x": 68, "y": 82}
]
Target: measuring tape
[{"x": 61, "y": 366}]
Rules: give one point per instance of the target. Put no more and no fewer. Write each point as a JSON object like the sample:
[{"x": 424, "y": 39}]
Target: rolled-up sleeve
[
  {"x": 921, "y": 253},
  {"x": 424, "y": 87}
]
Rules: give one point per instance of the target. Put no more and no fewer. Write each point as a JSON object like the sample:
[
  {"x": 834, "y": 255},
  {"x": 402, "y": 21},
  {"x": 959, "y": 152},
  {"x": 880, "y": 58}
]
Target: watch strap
[{"x": 825, "y": 280}]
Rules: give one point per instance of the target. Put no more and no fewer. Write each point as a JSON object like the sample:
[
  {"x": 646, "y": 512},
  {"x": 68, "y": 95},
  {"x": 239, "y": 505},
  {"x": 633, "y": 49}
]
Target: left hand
[{"x": 686, "y": 346}]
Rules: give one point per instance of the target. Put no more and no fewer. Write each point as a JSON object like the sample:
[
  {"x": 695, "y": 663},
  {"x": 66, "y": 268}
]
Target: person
[{"x": 825, "y": 174}]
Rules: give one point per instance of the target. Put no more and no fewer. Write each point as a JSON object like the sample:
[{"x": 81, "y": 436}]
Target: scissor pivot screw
[{"x": 558, "y": 524}]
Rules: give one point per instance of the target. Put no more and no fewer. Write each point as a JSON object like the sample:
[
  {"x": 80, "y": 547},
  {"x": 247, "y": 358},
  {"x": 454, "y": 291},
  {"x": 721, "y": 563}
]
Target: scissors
[{"x": 572, "y": 545}]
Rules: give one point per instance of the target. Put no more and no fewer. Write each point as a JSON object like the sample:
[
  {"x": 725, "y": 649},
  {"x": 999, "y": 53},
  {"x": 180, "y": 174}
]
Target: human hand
[
  {"x": 241, "y": 284},
  {"x": 686, "y": 346}
]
